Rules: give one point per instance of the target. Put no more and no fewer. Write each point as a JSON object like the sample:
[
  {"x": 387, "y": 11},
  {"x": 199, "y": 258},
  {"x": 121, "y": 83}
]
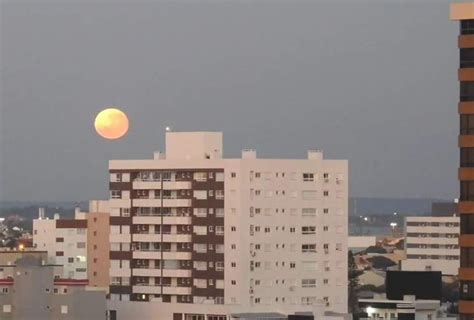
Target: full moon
[{"x": 111, "y": 123}]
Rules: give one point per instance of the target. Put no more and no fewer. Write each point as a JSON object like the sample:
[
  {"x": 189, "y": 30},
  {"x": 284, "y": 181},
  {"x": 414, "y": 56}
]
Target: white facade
[
  {"x": 432, "y": 244},
  {"x": 65, "y": 246},
  {"x": 285, "y": 225}
]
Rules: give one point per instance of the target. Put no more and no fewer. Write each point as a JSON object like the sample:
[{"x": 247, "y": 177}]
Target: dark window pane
[
  {"x": 466, "y": 57},
  {"x": 467, "y": 224},
  {"x": 467, "y": 91},
  {"x": 467, "y": 157},
  {"x": 467, "y": 257},
  {"x": 467, "y": 124},
  {"x": 467, "y": 190},
  {"x": 467, "y": 27},
  {"x": 467, "y": 290}
]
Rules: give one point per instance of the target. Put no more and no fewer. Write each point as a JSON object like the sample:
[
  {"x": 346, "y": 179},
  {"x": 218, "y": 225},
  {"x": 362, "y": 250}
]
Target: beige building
[
  {"x": 431, "y": 244},
  {"x": 193, "y": 230},
  {"x": 81, "y": 244}
]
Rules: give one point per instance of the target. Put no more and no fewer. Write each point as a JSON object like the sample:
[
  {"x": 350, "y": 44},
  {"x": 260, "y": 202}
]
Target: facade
[
  {"x": 81, "y": 244},
  {"x": 98, "y": 230},
  {"x": 464, "y": 13},
  {"x": 228, "y": 235},
  {"x": 66, "y": 243},
  {"x": 408, "y": 308},
  {"x": 30, "y": 289},
  {"x": 431, "y": 244}
]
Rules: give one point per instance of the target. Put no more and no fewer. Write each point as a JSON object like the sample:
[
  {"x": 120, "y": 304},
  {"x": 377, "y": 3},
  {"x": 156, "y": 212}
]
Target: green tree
[{"x": 353, "y": 276}]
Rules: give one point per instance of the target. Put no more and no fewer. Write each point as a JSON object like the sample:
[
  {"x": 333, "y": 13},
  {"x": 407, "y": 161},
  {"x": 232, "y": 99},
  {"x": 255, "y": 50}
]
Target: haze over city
[{"x": 370, "y": 82}]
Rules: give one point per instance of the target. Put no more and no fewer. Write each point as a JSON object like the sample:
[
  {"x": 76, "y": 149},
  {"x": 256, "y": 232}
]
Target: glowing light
[
  {"x": 370, "y": 311},
  {"x": 21, "y": 247},
  {"x": 111, "y": 123}
]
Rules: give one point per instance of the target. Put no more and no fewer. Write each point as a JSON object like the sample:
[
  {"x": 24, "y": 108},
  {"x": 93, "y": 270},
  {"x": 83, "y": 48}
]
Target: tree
[{"x": 353, "y": 276}]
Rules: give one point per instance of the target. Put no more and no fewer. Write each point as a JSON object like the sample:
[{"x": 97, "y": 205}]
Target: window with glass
[
  {"x": 467, "y": 91},
  {"x": 467, "y": 190},
  {"x": 466, "y": 57}
]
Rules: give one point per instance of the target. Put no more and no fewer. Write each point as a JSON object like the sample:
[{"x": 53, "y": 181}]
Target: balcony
[
  {"x": 156, "y": 185},
  {"x": 174, "y": 273},
  {"x": 157, "y": 202},
  {"x": 156, "y": 237},
  {"x": 156, "y": 219},
  {"x": 156, "y": 254},
  {"x": 156, "y": 289}
]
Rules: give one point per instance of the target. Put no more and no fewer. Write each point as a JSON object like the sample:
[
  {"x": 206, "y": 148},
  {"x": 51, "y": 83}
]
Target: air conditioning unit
[
  {"x": 251, "y": 291},
  {"x": 326, "y": 251},
  {"x": 326, "y": 180}
]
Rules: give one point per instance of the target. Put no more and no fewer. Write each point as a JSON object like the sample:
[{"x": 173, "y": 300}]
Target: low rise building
[
  {"x": 432, "y": 244},
  {"x": 30, "y": 289},
  {"x": 80, "y": 244}
]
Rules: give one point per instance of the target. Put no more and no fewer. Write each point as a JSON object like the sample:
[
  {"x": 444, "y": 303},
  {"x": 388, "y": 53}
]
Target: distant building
[
  {"x": 409, "y": 296},
  {"x": 32, "y": 290},
  {"x": 444, "y": 209},
  {"x": 192, "y": 232},
  {"x": 66, "y": 243},
  {"x": 81, "y": 244},
  {"x": 432, "y": 244}
]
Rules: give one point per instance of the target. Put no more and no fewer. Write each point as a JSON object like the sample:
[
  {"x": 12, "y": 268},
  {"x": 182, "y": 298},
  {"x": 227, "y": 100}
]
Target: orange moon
[{"x": 111, "y": 123}]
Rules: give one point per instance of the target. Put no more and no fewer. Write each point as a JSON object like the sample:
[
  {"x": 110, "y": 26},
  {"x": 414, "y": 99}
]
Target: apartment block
[
  {"x": 65, "y": 240},
  {"x": 464, "y": 13},
  {"x": 81, "y": 244},
  {"x": 244, "y": 235},
  {"x": 431, "y": 244},
  {"x": 31, "y": 289}
]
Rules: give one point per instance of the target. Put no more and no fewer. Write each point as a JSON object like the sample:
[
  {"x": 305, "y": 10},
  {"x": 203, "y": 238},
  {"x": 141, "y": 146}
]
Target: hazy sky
[{"x": 369, "y": 81}]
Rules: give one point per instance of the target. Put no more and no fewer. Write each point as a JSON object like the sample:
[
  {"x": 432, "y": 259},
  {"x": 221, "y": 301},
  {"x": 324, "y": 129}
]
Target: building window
[
  {"x": 308, "y": 230},
  {"x": 467, "y": 190},
  {"x": 311, "y": 247},
  {"x": 467, "y": 57},
  {"x": 467, "y": 91},
  {"x": 64, "y": 309},
  {"x": 233, "y": 282},
  {"x": 308, "y": 177},
  {"x": 467, "y": 27},
  {"x": 233, "y": 175},
  {"x": 467, "y": 157},
  {"x": 219, "y": 194},
  {"x": 467, "y": 124},
  {"x": 116, "y": 194},
  {"x": 308, "y": 283}
]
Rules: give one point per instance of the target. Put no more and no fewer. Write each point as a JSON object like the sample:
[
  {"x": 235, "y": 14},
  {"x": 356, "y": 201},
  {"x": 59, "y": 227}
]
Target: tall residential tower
[
  {"x": 464, "y": 13},
  {"x": 248, "y": 234}
]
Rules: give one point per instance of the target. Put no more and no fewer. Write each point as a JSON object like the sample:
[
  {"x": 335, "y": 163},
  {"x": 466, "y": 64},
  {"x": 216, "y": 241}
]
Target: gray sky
[{"x": 369, "y": 81}]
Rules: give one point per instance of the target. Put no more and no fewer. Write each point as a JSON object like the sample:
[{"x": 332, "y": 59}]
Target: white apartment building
[
  {"x": 65, "y": 240},
  {"x": 432, "y": 244},
  {"x": 232, "y": 235}
]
